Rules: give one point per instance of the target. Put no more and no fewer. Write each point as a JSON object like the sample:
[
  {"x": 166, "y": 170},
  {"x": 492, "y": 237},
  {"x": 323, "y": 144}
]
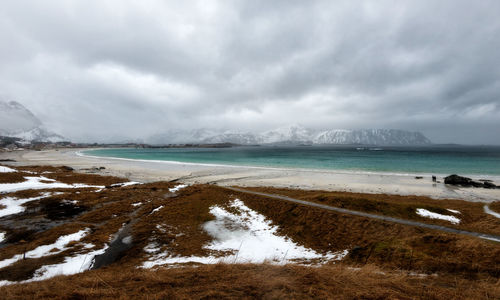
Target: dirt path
[{"x": 491, "y": 237}]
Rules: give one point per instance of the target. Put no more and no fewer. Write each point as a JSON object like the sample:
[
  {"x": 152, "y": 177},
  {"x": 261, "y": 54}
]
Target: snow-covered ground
[
  {"x": 57, "y": 247},
  {"x": 432, "y": 215},
  {"x": 248, "y": 237},
  {"x": 6, "y": 170},
  {"x": 490, "y": 212},
  {"x": 122, "y": 184},
  {"x": 71, "y": 265},
  {"x": 156, "y": 209},
  {"x": 177, "y": 188},
  {"x": 36, "y": 183},
  {"x": 2, "y": 236},
  {"x": 14, "y": 205}
]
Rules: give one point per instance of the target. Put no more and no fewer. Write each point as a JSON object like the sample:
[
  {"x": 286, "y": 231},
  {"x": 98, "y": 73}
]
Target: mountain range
[
  {"x": 17, "y": 121},
  {"x": 294, "y": 135}
]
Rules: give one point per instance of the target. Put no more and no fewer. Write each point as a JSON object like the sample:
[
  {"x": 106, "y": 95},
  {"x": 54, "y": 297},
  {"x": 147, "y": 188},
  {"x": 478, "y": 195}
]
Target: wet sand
[{"x": 148, "y": 171}]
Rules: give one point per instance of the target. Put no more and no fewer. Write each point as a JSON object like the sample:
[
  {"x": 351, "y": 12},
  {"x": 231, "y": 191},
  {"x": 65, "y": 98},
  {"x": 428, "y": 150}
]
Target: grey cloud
[{"x": 94, "y": 70}]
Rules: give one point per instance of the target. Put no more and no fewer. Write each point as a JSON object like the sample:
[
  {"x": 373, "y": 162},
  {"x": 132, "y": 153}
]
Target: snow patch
[
  {"x": 248, "y": 238},
  {"x": 2, "y": 236},
  {"x": 74, "y": 202},
  {"x": 14, "y": 205},
  {"x": 177, "y": 188},
  {"x": 137, "y": 204},
  {"x": 152, "y": 248},
  {"x": 35, "y": 183},
  {"x": 453, "y": 211},
  {"x": 490, "y": 212},
  {"x": 6, "y": 170},
  {"x": 122, "y": 184},
  {"x": 70, "y": 266},
  {"x": 156, "y": 209},
  {"x": 432, "y": 215},
  {"x": 59, "y": 246}
]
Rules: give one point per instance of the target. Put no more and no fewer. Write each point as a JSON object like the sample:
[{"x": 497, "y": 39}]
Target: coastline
[{"x": 252, "y": 176}]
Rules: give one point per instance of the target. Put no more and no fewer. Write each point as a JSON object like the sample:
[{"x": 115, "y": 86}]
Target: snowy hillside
[
  {"x": 17, "y": 121},
  {"x": 296, "y": 134}
]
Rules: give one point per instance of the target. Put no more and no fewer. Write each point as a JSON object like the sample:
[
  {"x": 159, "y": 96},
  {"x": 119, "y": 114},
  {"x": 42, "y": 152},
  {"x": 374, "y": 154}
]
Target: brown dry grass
[
  {"x": 495, "y": 206},
  {"x": 468, "y": 268},
  {"x": 398, "y": 246},
  {"x": 472, "y": 215},
  {"x": 13, "y": 177},
  {"x": 253, "y": 282}
]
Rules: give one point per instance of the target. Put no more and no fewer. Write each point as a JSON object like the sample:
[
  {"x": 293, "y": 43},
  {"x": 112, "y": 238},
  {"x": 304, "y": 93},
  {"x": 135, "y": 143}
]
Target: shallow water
[{"x": 468, "y": 160}]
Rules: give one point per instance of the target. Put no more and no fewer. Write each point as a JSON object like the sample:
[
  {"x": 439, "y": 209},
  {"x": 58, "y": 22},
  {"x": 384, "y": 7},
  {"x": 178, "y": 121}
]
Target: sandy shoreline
[{"x": 147, "y": 171}]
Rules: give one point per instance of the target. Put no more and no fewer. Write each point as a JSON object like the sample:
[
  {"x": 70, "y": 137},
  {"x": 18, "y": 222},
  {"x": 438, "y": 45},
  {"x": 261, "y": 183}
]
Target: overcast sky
[{"x": 97, "y": 70}]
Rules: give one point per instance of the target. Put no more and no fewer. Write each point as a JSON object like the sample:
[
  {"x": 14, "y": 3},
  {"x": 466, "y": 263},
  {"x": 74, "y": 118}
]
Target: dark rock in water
[
  {"x": 434, "y": 179},
  {"x": 102, "y": 168},
  {"x": 418, "y": 177},
  {"x": 67, "y": 168},
  {"x": 489, "y": 185},
  {"x": 458, "y": 180},
  {"x": 467, "y": 182}
]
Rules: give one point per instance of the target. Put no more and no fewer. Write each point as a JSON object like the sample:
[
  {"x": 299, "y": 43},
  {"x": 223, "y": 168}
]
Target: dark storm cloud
[{"x": 93, "y": 70}]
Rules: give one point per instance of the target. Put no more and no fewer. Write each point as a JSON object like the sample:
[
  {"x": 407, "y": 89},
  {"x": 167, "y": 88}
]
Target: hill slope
[{"x": 17, "y": 121}]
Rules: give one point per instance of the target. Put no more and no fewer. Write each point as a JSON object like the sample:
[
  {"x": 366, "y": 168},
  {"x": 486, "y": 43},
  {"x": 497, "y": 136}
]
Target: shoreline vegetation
[{"x": 117, "y": 236}]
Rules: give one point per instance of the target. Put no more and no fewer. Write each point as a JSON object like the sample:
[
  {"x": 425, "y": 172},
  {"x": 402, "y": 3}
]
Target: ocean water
[{"x": 443, "y": 160}]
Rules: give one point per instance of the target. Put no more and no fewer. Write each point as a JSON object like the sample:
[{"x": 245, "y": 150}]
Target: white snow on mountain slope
[
  {"x": 296, "y": 134},
  {"x": 293, "y": 133},
  {"x": 371, "y": 137},
  {"x": 17, "y": 121}
]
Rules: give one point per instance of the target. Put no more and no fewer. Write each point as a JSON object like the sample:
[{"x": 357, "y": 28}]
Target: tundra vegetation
[{"x": 119, "y": 239}]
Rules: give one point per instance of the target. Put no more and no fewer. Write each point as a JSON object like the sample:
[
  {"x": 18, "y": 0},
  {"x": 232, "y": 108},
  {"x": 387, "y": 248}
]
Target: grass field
[{"x": 138, "y": 223}]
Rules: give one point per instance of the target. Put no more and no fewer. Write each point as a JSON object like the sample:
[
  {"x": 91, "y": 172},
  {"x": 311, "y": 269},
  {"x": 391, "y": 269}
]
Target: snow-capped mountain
[
  {"x": 296, "y": 134},
  {"x": 17, "y": 121},
  {"x": 371, "y": 137},
  {"x": 182, "y": 136},
  {"x": 293, "y": 133}
]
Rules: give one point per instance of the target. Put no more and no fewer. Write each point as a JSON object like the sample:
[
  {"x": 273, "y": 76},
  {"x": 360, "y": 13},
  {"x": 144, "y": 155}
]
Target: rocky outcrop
[{"x": 468, "y": 182}]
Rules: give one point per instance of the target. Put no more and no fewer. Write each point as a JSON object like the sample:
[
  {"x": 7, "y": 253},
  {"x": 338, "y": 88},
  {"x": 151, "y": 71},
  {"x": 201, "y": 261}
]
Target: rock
[
  {"x": 67, "y": 168},
  {"x": 418, "y": 177},
  {"x": 467, "y": 182},
  {"x": 458, "y": 180},
  {"x": 434, "y": 179},
  {"x": 489, "y": 185}
]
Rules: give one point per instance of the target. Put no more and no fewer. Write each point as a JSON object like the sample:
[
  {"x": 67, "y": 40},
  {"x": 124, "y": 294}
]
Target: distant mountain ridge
[
  {"x": 295, "y": 135},
  {"x": 17, "y": 121}
]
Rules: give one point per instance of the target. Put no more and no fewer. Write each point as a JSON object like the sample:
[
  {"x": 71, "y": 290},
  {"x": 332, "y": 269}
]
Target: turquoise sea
[{"x": 466, "y": 160}]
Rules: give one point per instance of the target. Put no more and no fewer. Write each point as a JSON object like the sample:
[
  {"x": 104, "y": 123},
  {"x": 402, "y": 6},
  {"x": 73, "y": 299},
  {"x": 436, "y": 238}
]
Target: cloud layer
[{"x": 100, "y": 70}]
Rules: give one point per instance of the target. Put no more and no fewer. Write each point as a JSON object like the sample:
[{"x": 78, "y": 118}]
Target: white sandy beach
[{"x": 147, "y": 171}]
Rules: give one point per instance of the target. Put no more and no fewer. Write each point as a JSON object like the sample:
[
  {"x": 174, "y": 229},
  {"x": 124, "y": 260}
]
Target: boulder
[
  {"x": 458, "y": 180},
  {"x": 467, "y": 182},
  {"x": 489, "y": 185}
]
